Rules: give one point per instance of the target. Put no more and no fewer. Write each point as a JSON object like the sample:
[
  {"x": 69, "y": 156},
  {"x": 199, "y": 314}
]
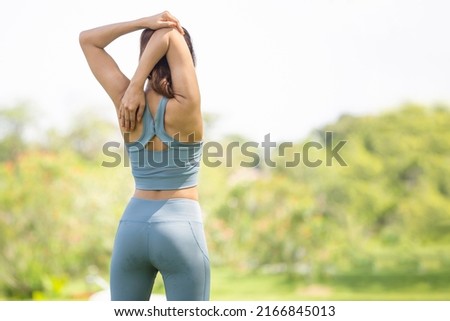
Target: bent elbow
[{"x": 82, "y": 38}]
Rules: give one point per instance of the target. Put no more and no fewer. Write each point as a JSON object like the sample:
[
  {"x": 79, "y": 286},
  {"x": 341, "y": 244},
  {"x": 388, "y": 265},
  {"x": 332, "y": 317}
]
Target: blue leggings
[{"x": 165, "y": 236}]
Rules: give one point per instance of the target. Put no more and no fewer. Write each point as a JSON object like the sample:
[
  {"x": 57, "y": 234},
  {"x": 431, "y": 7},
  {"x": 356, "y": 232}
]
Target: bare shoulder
[
  {"x": 185, "y": 121},
  {"x": 183, "y": 114}
]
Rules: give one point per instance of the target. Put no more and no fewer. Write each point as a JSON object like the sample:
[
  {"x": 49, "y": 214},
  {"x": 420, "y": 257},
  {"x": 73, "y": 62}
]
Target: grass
[{"x": 230, "y": 285}]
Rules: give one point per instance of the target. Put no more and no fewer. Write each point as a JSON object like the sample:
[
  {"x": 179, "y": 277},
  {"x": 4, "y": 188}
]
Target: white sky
[{"x": 280, "y": 67}]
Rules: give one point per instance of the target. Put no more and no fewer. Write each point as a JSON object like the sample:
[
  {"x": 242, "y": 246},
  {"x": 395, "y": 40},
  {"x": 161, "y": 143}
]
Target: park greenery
[{"x": 374, "y": 220}]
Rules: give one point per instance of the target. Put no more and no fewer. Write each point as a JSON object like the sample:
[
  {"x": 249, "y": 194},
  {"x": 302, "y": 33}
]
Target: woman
[{"x": 161, "y": 228}]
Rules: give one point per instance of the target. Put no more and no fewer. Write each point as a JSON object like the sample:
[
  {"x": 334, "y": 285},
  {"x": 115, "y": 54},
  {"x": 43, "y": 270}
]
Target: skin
[{"x": 183, "y": 118}]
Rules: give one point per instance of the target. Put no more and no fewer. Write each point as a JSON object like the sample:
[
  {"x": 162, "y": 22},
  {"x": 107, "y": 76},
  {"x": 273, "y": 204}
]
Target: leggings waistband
[{"x": 173, "y": 209}]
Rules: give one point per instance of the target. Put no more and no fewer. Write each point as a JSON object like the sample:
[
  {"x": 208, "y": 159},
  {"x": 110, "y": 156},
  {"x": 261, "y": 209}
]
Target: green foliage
[
  {"x": 58, "y": 214},
  {"x": 57, "y": 218},
  {"x": 13, "y": 122},
  {"x": 387, "y": 212},
  {"x": 383, "y": 216}
]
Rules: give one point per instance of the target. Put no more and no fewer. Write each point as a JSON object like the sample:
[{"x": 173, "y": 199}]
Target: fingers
[
  {"x": 140, "y": 112},
  {"x": 125, "y": 120},
  {"x": 131, "y": 107},
  {"x": 173, "y": 22},
  {"x": 129, "y": 121},
  {"x": 122, "y": 116},
  {"x": 180, "y": 29},
  {"x": 132, "y": 120}
]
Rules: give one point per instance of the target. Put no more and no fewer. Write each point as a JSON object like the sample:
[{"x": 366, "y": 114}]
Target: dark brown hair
[{"x": 160, "y": 78}]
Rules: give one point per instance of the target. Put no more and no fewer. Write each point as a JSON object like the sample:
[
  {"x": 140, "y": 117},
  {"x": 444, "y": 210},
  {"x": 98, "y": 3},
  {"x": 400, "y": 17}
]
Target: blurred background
[{"x": 375, "y": 74}]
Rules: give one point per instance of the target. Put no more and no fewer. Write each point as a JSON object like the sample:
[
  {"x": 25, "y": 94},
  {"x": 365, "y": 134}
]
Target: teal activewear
[
  {"x": 173, "y": 168},
  {"x": 163, "y": 236}
]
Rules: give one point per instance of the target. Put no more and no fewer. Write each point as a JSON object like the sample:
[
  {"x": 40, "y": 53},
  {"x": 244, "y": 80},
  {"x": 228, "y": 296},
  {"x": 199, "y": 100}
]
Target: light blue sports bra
[{"x": 173, "y": 168}]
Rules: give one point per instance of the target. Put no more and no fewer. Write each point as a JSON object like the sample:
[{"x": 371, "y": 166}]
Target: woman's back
[
  {"x": 174, "y": 125},
  {"x": 161, "y": 161},
  {"x": 161, "y": 228}
]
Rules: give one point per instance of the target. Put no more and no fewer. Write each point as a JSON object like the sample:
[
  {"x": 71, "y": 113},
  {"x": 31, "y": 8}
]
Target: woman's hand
[
  {"x": 132, "y": 104},
  {"x": 163, "y": 20},
  {"x": 132, "y": 107}
]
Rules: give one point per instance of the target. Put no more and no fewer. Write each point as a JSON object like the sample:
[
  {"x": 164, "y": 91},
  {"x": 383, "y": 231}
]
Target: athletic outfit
[{"x": 161, "y": 235}]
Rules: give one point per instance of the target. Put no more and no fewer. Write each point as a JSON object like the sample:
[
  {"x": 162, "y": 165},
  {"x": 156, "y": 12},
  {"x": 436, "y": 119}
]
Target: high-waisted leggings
[{"x": 165, "y": 236}]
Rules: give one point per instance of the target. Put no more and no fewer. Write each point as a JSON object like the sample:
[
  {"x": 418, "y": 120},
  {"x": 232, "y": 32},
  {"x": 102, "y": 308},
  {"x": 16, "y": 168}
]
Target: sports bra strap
[
  {"x": 160, "y": 112},
  {"x": 173, "y": 168},
  {"x": 160, "y": 129}
]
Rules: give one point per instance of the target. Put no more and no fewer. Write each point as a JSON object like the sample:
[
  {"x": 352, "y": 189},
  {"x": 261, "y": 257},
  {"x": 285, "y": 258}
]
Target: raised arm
[
  {"x": 94, "y": 41},
  {"x": 183, "y": 77},
  {"x": 182, "y": 70}
]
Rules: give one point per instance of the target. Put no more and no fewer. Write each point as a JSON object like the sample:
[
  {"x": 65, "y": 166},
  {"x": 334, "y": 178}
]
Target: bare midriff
[{"x": 189, "y": 192}]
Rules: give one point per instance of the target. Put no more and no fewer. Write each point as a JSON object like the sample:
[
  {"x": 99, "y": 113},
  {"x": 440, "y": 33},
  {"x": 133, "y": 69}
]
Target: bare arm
[
  {"x": 103, "y": 66},
  {"x": 184, "y": 80},
  {"x": 94, "y": 41},
  {"x": 133, "y": 98}
]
